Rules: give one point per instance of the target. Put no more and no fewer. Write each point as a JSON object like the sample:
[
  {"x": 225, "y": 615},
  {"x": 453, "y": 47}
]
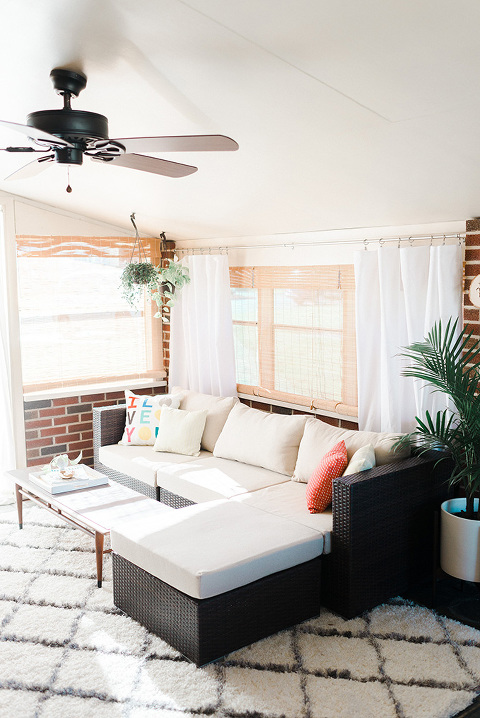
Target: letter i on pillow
[{"x": 319, "y": 487}]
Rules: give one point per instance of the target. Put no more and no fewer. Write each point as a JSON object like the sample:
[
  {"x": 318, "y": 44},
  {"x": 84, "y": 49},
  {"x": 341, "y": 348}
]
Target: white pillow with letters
[
  {"x": 180, "y": 432},
  {"x": 143, "y": 417}
]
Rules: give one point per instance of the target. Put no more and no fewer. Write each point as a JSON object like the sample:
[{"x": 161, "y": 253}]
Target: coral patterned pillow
[{"x": 319, "y": 487}]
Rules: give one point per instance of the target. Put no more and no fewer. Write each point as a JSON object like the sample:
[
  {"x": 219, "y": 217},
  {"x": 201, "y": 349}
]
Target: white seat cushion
[
  {"x": 198, "y": 550},
  {"x": 140, "y": 462},
  {"x": 288, "y": 501},
  {"x": 208, "y": 478}
]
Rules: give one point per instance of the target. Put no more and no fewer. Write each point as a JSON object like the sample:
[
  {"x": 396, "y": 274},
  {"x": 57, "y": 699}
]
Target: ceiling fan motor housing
[{"x": 76, "y": 126}]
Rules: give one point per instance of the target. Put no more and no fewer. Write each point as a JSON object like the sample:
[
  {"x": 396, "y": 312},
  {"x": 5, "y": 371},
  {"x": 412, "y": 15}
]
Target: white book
[{"x": 83, "y": 477}]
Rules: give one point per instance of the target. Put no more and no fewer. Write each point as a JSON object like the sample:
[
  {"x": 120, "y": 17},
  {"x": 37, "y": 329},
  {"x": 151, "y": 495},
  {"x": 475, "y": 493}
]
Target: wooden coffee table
[{"x": 92, "y": 510}]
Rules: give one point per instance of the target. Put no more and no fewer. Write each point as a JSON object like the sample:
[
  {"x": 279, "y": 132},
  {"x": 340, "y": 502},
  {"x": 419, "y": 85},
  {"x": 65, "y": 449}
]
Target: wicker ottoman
[{"x": 214, "y": 577}]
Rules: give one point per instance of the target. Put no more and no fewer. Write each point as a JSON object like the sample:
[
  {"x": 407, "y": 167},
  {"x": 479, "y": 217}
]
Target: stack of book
[{"x": 83, "y": 478}]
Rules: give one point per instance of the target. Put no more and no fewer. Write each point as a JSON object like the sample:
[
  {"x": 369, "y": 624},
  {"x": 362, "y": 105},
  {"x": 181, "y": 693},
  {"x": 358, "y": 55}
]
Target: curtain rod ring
[
  {"x": 365, "y": 244},
  {"x": 411, "y": 240},
  {"x": 381, "y": 242}
]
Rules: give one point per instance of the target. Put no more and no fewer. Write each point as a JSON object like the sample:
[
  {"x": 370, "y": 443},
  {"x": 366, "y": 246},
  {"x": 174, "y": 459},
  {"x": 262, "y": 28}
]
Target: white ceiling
[{"x": 347, "y": 114}]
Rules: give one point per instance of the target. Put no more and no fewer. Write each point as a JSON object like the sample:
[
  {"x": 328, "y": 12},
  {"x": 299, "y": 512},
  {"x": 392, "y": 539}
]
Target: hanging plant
[
  {"x": 161, "y": 283},
  {"x": 170, "y": 279},
  {"x": 135, "y": 277},
  {"x": 137, "y": 274}
]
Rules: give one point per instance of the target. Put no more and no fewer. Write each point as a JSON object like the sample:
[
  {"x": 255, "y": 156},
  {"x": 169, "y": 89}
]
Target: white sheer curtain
[
  {"x": 7, "y": 442},
  {"x": 202, "y": 355},
  {"x": 399, "y": 294}
]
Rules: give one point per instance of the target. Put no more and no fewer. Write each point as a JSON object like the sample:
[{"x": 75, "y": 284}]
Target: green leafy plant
[
  {"x": 160, "y": 282},
  {"x": 447, "y": 360},
  {"x": 136, "y": 276},
  {"x": 169, "y": 281}
]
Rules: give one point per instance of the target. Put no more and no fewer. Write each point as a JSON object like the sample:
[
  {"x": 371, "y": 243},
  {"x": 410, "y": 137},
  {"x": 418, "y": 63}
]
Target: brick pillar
[
  {"x": 168, "y": 252},
  {"x": 471, "y": 314}
]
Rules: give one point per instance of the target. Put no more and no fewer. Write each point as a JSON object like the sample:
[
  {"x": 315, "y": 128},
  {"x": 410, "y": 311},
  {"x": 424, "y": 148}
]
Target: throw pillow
[
  {"x": 319, "y": 486},
  {"x": 262, "y": 439},
  {"x": 362, "y": 460},
  {"x": 180, "y": 432},
  {"x": 143, "y": 416},
  {"x": 218, "y": 410}
]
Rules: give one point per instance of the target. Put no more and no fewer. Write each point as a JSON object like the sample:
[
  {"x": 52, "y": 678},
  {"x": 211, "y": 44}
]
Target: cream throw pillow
[
  {"x": 261, "y": 439},
  {"x": 362, "y": 460},
  {"x": 218, "y": 409},
  {"x": 180, "y": 432},
  {"x": 319, "y": 437},
  {"x": 143, "y": 417}
]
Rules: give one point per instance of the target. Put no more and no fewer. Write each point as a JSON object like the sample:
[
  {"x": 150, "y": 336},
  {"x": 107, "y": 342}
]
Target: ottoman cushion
[{"x": 210, "y": 548}]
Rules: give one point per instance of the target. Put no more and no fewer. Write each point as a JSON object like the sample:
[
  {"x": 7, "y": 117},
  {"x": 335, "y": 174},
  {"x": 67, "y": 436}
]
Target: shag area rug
[{"x": 67, "y": 652}]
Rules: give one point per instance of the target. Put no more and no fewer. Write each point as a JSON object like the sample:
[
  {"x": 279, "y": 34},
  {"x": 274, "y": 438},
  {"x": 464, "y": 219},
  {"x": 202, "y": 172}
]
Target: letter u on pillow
[{"x": 319, "y": 486}]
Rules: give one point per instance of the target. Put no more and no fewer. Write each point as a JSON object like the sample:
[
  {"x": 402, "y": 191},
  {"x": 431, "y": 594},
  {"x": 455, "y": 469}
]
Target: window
[
  {"x": 294, "y": 334},
  {"x": 75, "y": 328}
]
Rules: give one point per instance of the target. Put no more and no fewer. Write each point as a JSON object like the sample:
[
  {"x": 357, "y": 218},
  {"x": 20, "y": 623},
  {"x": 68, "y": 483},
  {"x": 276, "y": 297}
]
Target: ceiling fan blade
[
  {"x": 186, "y": 143},
  {"x": 31, "y": 169},
  {"x": 150, "y": 164},
  {"x": 35, "y": 134}
]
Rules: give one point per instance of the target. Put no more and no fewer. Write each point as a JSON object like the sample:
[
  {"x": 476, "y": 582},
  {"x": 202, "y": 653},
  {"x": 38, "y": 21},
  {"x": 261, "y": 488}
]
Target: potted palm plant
[{"x": 447, "y": 361}]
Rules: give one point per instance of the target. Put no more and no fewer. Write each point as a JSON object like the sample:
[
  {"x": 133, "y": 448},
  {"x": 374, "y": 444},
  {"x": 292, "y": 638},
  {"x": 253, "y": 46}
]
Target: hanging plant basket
[{"x": 160, "y": 282}]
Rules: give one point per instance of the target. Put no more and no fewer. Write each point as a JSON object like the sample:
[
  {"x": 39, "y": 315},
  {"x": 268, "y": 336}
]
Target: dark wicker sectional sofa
[{"x": 382, "y": 545}]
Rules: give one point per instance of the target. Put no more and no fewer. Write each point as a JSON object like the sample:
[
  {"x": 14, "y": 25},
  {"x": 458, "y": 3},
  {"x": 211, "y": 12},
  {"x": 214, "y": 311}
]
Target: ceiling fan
[{"x": 65, "y": 136}]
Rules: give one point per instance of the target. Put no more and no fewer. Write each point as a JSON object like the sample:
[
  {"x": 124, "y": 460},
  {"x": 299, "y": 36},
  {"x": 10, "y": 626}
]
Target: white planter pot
[{"x": 459, "y": 542}]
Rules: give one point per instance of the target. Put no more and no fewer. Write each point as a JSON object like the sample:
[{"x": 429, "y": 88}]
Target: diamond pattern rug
[{"x": 66, "y": 651}]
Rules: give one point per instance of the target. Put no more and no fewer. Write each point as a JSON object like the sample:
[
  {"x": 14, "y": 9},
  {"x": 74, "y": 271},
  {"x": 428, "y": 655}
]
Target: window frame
[
  {"x": 102, "y": 247},
  {"x": 266, "y": 280}
]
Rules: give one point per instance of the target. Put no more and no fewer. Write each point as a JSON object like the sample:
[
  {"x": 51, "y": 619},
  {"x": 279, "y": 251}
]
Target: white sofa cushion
[
  {"x": 288, "y": 501},
  {"x": 260, "y": 438},
  {"x": 197, "y": 549},
  {"x": 218, "y": 408},
  {"x": 141, "y": 462},
  {"x": 208, "y": 478},
  {"x": 180, "y": 432},
  {"x": 319, "y": 437}
]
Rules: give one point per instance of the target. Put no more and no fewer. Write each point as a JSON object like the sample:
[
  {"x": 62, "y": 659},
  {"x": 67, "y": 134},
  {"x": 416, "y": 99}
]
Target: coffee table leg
[
  {"x": 19, "y": 499},
  {"x": 99, "y": 556}
]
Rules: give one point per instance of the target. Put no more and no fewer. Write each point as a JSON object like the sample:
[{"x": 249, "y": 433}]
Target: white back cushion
[
  {"x": 319, "y": 437},
  {"x": 261, "y": 439},
  {"x": 218, "y": 408}
]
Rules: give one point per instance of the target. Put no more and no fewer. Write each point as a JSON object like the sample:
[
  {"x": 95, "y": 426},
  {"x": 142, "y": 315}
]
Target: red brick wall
[
  {"x": 57, "y": 426},
  {"x": 471, "y": 314}
]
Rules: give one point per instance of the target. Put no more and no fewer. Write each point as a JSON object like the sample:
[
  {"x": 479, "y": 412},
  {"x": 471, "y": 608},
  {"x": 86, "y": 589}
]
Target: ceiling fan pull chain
[{"x": 69, "y": 189}]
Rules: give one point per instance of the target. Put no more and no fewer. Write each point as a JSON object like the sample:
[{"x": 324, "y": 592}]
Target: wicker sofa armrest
[
  {"x": 383, "y": 532},
  {"x": 108, "y": 428},
  {"x": 108, "y": 425}
]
